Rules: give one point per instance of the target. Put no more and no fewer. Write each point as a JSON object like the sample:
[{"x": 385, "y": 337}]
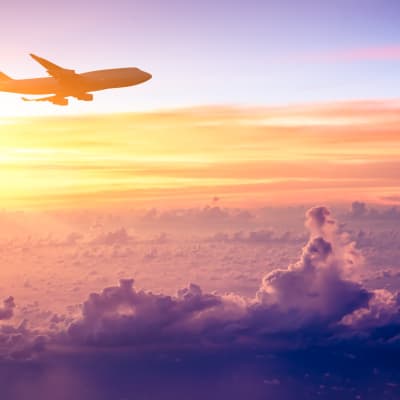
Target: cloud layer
[
  {"x": 312, "y": 299},
  {"x": 310, "y": 326}
]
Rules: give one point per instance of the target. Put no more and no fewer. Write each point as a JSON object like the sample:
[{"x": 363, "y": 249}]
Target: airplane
[{"x": 64, "y": 83}]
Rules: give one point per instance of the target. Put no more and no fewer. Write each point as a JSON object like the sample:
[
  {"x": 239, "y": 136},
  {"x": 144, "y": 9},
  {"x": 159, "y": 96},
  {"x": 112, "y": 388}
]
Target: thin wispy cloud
[
  {"x": 377, "y": 53},
  {"x": 235, "y": 151}
]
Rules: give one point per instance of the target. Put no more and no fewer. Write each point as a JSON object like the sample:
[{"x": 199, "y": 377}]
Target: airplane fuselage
[{"x": 88, "y": 82}]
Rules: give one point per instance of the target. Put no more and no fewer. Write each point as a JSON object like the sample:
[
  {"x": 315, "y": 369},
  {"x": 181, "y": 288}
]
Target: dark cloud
[
  {"x": 19, "y": 342},
  {"x": 309, "y": 330},
  {"x": 361, "y": 210},
  {"x": 312, "y": 301},
  {"x": 123, "y": 316},
  {"x": 358, "y": 209},
  {"x": 313, "y": 290},
  {"x": 318, "y": 219},
  {"x": 316, "y": 296},
  {"x": 7, "y": 311}
]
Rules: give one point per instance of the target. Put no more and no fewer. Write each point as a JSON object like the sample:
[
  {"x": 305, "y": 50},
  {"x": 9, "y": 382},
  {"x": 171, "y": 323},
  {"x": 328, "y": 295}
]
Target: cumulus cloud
[
  {"x": 361, "y": 210},
  {"x": 121, "y": 315},
  {"x": 383, "y": 311},
  {"x": 19, "y": 342},
  {"x": 7, "y": 311},
  {"x": 358, "y": 209},
  {"x": 314, "y": 295},
  {"x": 119, "y": 237},
  {"x": 312, "y": 291},
  {"x": 313, "y": 299},
  {"x": 317, "y": 283},
  {"x": 311, "y": 307}
]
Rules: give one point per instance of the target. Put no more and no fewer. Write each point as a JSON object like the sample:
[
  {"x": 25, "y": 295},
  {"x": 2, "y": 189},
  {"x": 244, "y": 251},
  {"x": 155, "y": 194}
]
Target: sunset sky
[
  {"x": 250, "y": 101},
  {"x": 228, "y": 229},
  {"x": 224, "y": 52},
  {"x": 331, "y": 152}
]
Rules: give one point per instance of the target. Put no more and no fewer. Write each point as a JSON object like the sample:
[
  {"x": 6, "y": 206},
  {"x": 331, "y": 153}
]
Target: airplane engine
[
  {"x": 85, "y": 97},
  {"x": 59, "y": 101}
]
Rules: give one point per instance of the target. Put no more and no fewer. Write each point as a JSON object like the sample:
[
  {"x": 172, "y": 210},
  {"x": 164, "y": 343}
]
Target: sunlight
[{"x": 133, "y": 156}]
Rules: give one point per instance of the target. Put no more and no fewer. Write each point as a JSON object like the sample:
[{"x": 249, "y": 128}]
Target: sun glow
[{"x": 195, "y": 154}]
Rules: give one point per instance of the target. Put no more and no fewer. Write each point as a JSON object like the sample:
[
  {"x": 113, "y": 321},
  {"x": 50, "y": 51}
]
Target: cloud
[
  {"x": 20, "y": 342},
  {"x": 313, "y": 300},
  {"x": 361, "y": 210},
  {"x": 381, "y": 53},
  {"x": 314, "y": 292},
  {"x": 315, "y": 295},
  {"x": 383, "y": 311},
  {"x": 123, "y": 316},
  {"x": 262, "y": 236},
  {"x": 358, "y": 209},
  {"x": 7, "y": 311},
  {"x": 117, "y": 237},
  {"x": 310, "y": 326},
  {"x": 181, "y": 161},
  {"x": 208, "y": 217}
]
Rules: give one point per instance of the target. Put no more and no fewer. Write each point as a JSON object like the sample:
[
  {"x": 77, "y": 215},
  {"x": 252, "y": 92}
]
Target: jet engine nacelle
[
  {"x": 59, "y": 101},
  {"x": 85, "y": 97}
]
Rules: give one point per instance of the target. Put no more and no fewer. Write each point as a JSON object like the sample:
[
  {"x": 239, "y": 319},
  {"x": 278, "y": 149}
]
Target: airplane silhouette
[{"x": 64, "y": 83}]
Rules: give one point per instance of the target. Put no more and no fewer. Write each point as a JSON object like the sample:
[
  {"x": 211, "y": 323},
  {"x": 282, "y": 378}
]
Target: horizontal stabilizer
[{"x": 4, "y": 77}]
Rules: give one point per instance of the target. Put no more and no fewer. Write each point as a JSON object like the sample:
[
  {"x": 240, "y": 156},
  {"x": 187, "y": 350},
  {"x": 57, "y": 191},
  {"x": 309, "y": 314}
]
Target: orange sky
[{"x": 246, "y": 156}]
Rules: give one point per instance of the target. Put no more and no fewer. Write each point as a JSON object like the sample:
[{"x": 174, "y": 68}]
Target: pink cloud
[{"x": 381, "y": 53}]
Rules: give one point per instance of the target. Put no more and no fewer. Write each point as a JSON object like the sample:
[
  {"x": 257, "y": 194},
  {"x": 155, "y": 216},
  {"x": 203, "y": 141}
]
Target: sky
[
  {"x": 253, "y": 59},
  {"x": 228, "y": 229},
  {"x": 208, "y": 52},
  {"x": 246, "y": 157}
]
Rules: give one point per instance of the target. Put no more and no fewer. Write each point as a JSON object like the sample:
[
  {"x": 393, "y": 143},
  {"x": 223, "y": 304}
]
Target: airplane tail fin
[{"x": 4, "y": 77}]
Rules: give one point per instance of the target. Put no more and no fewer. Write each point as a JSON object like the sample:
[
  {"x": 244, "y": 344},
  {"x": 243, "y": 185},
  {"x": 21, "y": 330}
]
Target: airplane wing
[{"x": 56, "y": 71}]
